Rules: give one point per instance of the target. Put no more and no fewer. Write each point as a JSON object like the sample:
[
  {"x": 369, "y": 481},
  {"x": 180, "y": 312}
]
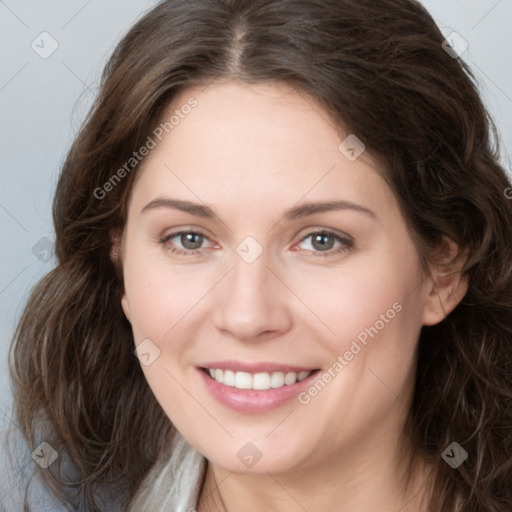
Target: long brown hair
[{"x": 380, "y": 70}]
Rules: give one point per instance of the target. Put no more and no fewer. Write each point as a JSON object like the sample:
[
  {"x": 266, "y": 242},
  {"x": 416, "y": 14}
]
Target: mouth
[{"x": 254, "y": 388}]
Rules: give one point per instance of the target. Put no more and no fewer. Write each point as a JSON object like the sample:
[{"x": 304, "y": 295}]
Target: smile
[
  {"x": 258, "y": 381},
  {"x": 254, "y": 387}
]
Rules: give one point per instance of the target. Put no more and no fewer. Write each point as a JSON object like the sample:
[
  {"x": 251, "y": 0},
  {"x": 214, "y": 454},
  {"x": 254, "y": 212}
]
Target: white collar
[{"x": 173, "y": 484}]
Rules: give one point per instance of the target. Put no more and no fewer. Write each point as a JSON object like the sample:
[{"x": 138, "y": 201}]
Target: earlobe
[{"x": 125, "y": 306}]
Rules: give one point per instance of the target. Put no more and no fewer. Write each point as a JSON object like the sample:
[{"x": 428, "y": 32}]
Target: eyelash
[{"x": 347, "y": 243}]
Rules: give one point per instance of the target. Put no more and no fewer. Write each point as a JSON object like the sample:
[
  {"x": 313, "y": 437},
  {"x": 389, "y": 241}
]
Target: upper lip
[{"x": 263, "y": 367}]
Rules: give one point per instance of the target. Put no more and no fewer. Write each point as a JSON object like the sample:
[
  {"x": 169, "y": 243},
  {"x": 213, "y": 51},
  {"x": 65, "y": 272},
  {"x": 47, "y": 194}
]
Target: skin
[{"x": 250, "y": 152}]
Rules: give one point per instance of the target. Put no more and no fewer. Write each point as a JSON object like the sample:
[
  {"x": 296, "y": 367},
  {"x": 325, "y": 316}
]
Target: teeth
[
  {"x": 261, "y": 381},
  {"x": 229, "y": 378},
  {"x": 258, "y": 381},
  {"x": 277, "y": 380},
  {"x": 242, "y": 380},
  {"x": 290, "y": 378}
]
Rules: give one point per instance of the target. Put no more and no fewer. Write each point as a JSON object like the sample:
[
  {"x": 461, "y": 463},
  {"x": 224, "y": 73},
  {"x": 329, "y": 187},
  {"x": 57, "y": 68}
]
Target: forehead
[{"x": 249, "y": 143}]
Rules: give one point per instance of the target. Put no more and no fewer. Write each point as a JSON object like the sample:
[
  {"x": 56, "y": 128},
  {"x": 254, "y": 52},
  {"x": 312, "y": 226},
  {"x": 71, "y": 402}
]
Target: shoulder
[
  {"x": 174, "y": 482},
  {"x": 20, "y": 478},
  {"x": 22, "y": 482}
]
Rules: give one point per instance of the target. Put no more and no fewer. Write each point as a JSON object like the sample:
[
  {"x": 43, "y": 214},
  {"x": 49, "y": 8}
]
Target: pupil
[
  {"x": 191, "y": 240},
  {"x": 323, "y": 241}
]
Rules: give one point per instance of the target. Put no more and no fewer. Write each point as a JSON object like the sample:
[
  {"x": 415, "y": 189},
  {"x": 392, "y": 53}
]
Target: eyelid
[
  {"x": 185, "y": 232},
  {"x": 187, "y": 228},
  {"x": 312, "y": 230}
]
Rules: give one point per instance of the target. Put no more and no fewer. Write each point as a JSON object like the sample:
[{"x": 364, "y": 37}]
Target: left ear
[{"x": 446, "y": 286}]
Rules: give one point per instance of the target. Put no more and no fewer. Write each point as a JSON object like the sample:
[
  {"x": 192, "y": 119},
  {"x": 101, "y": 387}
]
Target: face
[{"x": 257, "y": 252}]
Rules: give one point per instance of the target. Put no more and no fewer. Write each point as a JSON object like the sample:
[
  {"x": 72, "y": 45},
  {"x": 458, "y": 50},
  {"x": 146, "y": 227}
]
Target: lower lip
[{"x": 251, "y": 400}]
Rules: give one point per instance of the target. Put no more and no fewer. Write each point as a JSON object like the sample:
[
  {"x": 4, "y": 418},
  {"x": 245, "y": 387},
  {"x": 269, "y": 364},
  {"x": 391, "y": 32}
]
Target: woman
[{"x": 293, "y": 213}]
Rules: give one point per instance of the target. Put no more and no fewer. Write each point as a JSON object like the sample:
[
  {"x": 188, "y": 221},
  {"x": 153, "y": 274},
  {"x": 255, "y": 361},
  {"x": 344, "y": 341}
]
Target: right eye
[{"x": 185, "y": 242}]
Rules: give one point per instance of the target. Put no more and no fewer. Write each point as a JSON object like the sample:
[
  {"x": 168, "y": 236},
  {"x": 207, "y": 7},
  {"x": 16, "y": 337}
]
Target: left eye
[{"x": 325, "y": 241}]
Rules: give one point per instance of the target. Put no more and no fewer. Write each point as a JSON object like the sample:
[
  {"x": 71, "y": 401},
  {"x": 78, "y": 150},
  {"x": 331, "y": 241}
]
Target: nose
[{"x": 251, "y": 304}]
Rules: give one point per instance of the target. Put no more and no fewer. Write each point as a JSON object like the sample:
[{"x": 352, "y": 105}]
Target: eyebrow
[{"x": 293, "y": 213}]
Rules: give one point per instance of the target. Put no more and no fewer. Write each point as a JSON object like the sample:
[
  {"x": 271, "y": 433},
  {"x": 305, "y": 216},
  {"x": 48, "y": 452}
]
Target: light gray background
[{"x": 43, "y": 102}]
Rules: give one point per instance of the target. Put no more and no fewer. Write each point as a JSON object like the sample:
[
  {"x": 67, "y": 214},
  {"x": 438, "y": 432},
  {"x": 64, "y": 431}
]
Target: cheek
[
  {"x": 378, "y": 338},
  {"x": 160, "y": 303},
  {"x": 157, "y": 294},
  {"x": 371, "y": 367},
  {"x": 365, "y": 293},
  {"x": 375, "y": 310}
]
